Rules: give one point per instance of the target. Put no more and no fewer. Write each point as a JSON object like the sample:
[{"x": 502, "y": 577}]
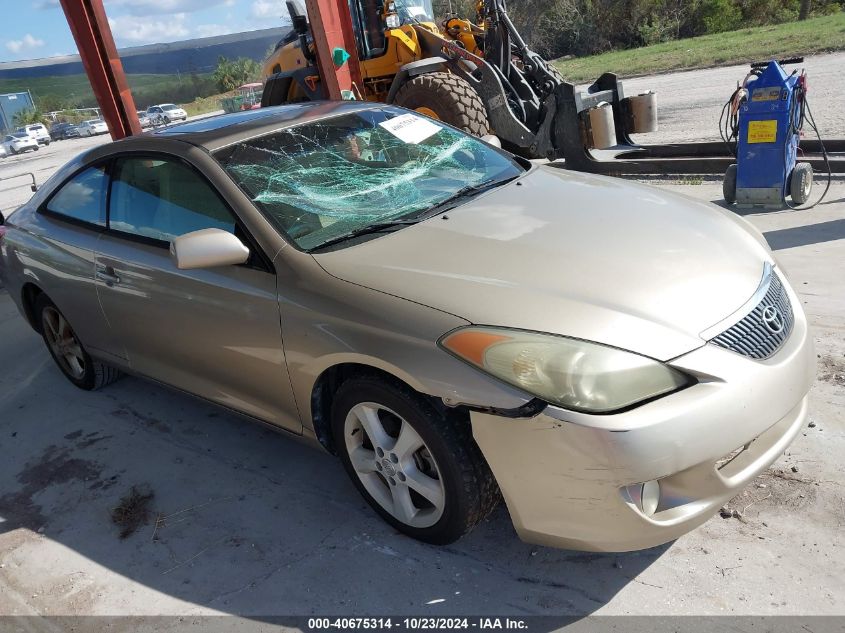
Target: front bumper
[{"x": 565, "y": 476}]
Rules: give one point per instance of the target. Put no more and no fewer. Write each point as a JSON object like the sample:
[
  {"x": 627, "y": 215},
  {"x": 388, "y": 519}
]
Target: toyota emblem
[{"x": 773, "y": 320}]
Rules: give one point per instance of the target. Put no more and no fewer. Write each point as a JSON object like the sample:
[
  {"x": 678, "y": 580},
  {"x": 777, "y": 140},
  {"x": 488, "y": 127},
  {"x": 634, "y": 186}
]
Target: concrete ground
[{"x": 246, "y": 521}]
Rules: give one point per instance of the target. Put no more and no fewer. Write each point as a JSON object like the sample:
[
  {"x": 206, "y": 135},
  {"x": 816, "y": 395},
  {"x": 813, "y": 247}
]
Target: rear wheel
[
  {"x": 66, "y": 349},
  {"x": 801, "y": 183},
  {"x": 421, "y": 471},
  {"x": 446, "y": 97},
  {"x": 729, "y": 184}
]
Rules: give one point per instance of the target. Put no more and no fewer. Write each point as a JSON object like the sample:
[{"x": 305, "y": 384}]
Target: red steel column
[
  {"x": 90, "y": 28},
  {"x": 331, "y": 26}
]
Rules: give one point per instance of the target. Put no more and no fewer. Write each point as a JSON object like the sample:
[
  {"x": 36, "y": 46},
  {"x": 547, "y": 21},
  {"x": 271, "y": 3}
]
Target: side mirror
[
  {"x": 207, "y": 248},
  {"x": 298, "y": 19},
  {"x": 492, "y": 139}
]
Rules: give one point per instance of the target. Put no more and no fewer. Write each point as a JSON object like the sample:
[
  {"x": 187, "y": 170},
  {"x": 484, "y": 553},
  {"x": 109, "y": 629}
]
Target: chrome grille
[{"x": 751, "y": 336}]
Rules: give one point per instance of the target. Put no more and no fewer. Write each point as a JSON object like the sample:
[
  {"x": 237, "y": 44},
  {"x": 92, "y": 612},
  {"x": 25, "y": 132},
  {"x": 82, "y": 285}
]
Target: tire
[
  {"x": 36, "y": 148},
  {"x": 442, "y": 459},
  {"x": 167, "y": 120},
  {"x": 85, "y": 373},
  {"x": 801, "y": 183},
  {"x": 729, "y": 184},
  {"x": 450, "y": 98}
]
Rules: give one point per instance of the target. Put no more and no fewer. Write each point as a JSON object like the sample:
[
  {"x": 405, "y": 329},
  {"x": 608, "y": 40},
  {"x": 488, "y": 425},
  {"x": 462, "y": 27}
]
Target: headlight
[{"x": 568, "y": 372}]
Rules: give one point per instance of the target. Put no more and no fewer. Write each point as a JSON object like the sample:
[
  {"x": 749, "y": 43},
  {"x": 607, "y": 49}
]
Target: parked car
[
  {"x": 37, "y": 131},
  {"x": 19, "y": 142},
  {"x": 92, "y": 127},
  {"x": 62, "y": 131},
  {"x": 450, "y": 320},
  {"x": 166, "y": 113},
  {"x": 144, "y": 119}
]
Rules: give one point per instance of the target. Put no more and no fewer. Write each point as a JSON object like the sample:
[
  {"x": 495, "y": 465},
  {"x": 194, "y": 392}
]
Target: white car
[
  {"x": 19, "y": 142},
  {"x": 38, "y": 131},
  {"x": 144, "y": 119},
  {"x": 166, "y": 113},
  {"x": 92, "y": 127}
]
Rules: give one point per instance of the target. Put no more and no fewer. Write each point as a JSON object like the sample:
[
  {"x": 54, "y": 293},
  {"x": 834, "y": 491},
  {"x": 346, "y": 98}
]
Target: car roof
[{"x": 215, "y": 132}]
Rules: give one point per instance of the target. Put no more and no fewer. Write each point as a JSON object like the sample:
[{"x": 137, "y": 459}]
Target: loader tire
[{"x": 446, "y": 97}]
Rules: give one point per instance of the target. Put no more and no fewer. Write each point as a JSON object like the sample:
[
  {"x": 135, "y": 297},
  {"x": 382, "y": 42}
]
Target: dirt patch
[
  {"x": 774, "y": 488},
  {"x": 133, "y": 511},
  {"x": 54, "y": 466},
  {"x": 832, "y": 370}
]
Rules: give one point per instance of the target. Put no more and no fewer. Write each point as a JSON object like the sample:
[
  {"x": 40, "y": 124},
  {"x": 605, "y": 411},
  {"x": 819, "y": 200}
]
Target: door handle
[{"x": 107, "y": 275}]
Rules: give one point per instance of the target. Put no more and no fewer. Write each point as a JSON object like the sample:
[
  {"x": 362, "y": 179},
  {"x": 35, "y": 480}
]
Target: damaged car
[{"x": 456, "y": 324}]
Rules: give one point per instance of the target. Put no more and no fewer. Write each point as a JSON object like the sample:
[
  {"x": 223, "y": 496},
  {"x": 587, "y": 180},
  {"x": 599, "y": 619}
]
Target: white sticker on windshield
[{"x": 410, "y": 128}]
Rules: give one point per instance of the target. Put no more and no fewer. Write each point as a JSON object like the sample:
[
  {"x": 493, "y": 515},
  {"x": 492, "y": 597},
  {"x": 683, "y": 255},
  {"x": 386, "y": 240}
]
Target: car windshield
[
  {"x": 169, "y": 106},
  {"x": 325, "y": 179}
]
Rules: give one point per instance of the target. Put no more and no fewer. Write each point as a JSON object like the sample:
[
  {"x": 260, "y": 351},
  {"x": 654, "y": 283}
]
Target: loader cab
[{"x": 372, "y": 19}]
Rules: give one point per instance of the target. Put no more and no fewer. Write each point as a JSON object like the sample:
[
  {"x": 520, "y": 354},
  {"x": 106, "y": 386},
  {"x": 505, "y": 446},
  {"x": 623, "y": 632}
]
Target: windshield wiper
[
  {"x": 377, "y": 227},
  {"x": 464, "y": 193}
]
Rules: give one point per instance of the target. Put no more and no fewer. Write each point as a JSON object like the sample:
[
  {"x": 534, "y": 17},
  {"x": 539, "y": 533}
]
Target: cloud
[
  {"x": 162, "y": 7},
  {"x": 210, "y": 30},
  {"x": 267, "y": 9},
  {"x": 28, "y": 42},
  {"x": 135, "y": 30}
]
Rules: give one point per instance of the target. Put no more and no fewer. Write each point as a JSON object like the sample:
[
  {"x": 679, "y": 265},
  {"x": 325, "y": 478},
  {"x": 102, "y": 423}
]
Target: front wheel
[
  {"x": 67, "y": 351},
  {"x": 446, "y": 97},
  {"x": 419, "y": 469}
]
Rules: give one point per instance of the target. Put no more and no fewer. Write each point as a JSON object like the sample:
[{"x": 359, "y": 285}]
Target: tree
[
  {"x": 29, "y": 116},
  {"x": 804, "y": 11},
  {"x": 230, "y": 74},
  {"x": 53, "y": 103}
]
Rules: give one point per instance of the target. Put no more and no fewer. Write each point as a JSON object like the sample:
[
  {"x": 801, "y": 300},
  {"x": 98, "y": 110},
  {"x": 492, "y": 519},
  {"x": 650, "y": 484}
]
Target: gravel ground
[
  {"x": 689, "y": 103},
  {"x": 244, "y": 521}
]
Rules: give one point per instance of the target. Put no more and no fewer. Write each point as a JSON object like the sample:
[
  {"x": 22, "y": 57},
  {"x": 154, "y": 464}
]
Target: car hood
[{"x": 579, "y": 255}]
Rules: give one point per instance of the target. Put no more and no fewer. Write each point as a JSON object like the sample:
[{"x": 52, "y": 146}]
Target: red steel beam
[
  {"x": 331, "y": 26},
  {"x": 90, "y": 28}
]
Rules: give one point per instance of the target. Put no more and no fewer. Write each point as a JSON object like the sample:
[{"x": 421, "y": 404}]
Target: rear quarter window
[{"x": 82, "y": 198}]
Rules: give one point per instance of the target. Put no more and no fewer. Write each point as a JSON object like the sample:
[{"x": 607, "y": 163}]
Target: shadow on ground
[{"x": 244, "y": 520}]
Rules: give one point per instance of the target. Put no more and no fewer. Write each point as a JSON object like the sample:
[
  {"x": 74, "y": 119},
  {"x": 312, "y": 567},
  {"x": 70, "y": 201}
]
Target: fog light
[{"x": 650, "y": 497}]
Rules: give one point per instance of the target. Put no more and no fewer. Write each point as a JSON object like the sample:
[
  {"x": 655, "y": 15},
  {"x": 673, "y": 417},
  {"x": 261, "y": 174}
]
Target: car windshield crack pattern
[{"x": 323, "y": 179}]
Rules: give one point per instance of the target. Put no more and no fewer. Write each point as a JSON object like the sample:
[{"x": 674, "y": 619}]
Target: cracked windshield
[{"x": 337, "y": 177}]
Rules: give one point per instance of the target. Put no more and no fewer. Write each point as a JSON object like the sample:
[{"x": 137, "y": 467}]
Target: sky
[{"x": 39, "y": 28}]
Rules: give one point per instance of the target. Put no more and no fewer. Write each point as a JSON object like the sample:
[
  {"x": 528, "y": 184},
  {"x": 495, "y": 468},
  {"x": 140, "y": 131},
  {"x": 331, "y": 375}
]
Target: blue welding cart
[{"x": 768, "y": 115}]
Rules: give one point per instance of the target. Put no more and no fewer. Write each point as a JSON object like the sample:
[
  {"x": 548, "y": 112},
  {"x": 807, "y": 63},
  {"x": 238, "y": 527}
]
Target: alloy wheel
[
  {"x": 394, "y": 465},
  {"x": 63, "y": 343}
]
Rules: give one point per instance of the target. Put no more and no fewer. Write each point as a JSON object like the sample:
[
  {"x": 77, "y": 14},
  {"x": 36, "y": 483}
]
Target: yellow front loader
[{"x": 478, "y": 75}]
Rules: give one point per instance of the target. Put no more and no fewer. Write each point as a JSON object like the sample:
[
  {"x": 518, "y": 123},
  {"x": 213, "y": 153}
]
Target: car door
[
  {"x": 213, "y": 332},
  {"x": 69, "y": 224}
]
